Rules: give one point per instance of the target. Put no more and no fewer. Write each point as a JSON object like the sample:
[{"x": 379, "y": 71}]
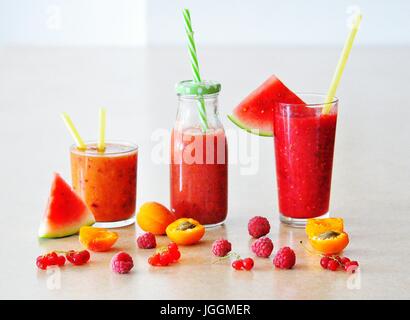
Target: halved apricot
[
  {"x": 97, "y": 239},
  {"x": 330, "y": 242},
  {"x": 185, "y": 231},
  {"x": 154, "y": 217}
]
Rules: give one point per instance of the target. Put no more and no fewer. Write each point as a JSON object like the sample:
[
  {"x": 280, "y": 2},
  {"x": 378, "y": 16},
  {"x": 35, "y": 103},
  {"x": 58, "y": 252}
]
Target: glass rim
[
  {"x": 311, "y": 105},
  {"x": 132, "y": 147}
]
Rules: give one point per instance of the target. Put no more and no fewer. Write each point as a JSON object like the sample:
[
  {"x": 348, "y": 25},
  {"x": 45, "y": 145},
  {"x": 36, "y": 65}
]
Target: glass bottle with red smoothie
[
  {"x": 199, "y": 156},
  {"x": 304, "y": 144}
]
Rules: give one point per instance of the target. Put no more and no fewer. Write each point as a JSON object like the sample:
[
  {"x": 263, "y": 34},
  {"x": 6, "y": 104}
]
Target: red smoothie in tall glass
[
  {"x": 199, "y": 175},
  {"x": 304, "y": 144}
]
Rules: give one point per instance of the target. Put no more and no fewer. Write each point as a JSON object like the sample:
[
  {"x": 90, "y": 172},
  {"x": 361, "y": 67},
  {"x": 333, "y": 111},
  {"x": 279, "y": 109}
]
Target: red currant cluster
[
  {"x": 165, "y": 256},
  {"x": 53, "y": 259},
  {"x": 333, "y": 263},
  {"x": 243, "y": 264},
  {"x": 78, "y": 258},
  {"x": 50, "y": 259}
]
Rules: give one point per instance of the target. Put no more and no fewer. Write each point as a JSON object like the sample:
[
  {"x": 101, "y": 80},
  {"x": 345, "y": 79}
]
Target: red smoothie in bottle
[
  {"x": 199, "y": 175},
  {"x": 304, "y": 144}
]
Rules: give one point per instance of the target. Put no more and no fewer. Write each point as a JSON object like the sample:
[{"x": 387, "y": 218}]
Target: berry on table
[
  {"x": 165, "y": 255},
  {"x": 262, "y": 247},
  {"x": 165, "y": 258},
  {"x": 50, "y": 259},
  {"x": 344, "y": 260},
  {"x": 332, "y": 265},
  {"x": 285, "y": 258},
  {"x": 237, "y": 264},
  {"x": 61, "y": 261},
  {"x": 258, "y": 226},
  {"x": 173, "y": 247},
  {"x": 248, "y": 263},
  {"x": 122, "y": 263},
  {"x": 146, "y": 241},
  {"x": 78, "y": 258},
  {"x": 41, "y": 263},
  {"x": 221, "y": 247},
  {"x": 324, "y": 262},
  {"x": 154, "y": 260},
  {"x": 351, "y": 266}
]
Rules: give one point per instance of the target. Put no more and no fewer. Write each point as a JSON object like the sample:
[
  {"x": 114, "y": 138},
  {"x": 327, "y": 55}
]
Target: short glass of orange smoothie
[{"x": 107, "y": 181}]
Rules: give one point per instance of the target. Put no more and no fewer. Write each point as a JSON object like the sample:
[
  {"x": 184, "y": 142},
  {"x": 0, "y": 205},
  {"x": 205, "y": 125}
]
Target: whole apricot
[{"x": 154, "y": 217}]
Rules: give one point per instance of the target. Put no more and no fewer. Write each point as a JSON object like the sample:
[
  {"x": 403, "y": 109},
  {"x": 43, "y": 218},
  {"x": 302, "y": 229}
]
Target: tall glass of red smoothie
[
  {"x": 107, "y": 181},
  {"x": 199, "y": 158},
  {"x": 304, "y": 144}
]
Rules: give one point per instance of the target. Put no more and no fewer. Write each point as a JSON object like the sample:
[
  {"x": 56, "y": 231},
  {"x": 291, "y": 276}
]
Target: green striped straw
[{"x": 195, "y": 66}]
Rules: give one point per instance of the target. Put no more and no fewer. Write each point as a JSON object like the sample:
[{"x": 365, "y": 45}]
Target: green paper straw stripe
[{"x": 194, "y": 65}]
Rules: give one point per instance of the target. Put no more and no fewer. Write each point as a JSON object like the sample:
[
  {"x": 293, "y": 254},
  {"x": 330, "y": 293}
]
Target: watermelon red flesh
[
  {"x": 255, "y": 112},
  {"x": 66, "y": 212}
]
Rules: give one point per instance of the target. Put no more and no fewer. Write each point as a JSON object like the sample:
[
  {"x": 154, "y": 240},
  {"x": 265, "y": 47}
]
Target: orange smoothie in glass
[{"x": 107, "y": 181}]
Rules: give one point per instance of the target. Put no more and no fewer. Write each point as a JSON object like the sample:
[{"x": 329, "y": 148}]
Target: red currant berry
[
  {"x": 344, "y": 260},
  {"x": 51, "y": 259},
  {"x": 324, "y": 262},
  {"x": 172, "y": 247},
  {"x": 154, "y": 260},
  {"x": 332, "y": 265},
  {"x": 351, "y": 266},
  {"x": 41, "y": 263},
  {"x": 237, "y": 264},
  {"x": 60, "y": 261},
  {"x": 78, "y": 258},
  {"x": 248, "y": 264},
  {"x": 165, "y": 258},
  {"x": 175, "y": 255},
  {"x": 70, "y": 256},
  {"x": 84, "y": 256}
]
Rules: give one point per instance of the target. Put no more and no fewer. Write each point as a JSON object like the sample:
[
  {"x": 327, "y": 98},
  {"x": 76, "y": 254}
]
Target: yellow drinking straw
[
  {"x": 341, "y": 65},
  {"x": 73, "y": 131},
  {"x": 101, "y": 141}
]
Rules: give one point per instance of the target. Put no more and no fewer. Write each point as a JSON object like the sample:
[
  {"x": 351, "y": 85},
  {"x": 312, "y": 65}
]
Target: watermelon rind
[
  {"x": 243, "y": 126},
  {"x": 46, "y": 232}
]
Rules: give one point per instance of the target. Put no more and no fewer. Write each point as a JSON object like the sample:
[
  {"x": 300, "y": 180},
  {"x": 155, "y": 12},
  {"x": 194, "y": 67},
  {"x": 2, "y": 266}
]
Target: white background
[{"x": 216, "y": 22}]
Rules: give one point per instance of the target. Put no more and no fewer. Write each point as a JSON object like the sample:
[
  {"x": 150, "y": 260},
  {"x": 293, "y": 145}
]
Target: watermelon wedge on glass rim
[
  {"x": 255, "y": 113},
  {"x": 66, "y": 212}
]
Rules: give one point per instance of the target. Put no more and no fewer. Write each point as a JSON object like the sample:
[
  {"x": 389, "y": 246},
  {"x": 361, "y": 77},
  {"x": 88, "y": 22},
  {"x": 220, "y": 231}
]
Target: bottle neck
[{"x": 188, "y": 115}]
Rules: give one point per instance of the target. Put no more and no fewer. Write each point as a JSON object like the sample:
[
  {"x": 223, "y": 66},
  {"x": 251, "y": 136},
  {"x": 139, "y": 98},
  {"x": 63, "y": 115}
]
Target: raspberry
[
  {"x": 221, "y": 247},
  {"x": 258, "y": 227},
  {"x": 122, "y": 263},
  {"x": 237, "y": 264},
  {"x": 262, "y": 247},
  {"x": 248, "y": 263},
  {"x": 344, "y": 260},
  {"x": 146, "y": 241},
  {"x": 332, "y": 265},
  {"x": 285, "y": 258},
  {"x": 324, "y": 262}
]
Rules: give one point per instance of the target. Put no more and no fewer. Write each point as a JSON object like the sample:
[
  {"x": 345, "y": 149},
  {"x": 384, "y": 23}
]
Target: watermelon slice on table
[
  {"x": 66, "y": 212},
  {"x": 255, "y": 112}
]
